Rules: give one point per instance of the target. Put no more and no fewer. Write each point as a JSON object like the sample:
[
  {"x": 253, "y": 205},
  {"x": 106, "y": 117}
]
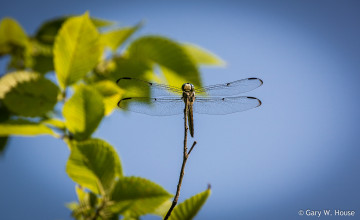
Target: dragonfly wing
[
  {"x": 229, "y": 89},
  {"x": 224, "y": 105},
  {"x": 156, "y": 89},
  {"x": 153, "y": 106}
]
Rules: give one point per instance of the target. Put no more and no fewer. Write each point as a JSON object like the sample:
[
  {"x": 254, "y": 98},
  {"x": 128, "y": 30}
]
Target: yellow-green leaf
[
  {"x": 72, "y": 205},
  {"x": 53, "y": 122},
  {"x": 14, "y": 41},
  {"x": 28, "y": 93},
  {"x": 93, "y": 164},
  {"x": 190, "y": 207},
  {"x": 99, "y": 23},
  {"x": 111, "y": 94},
  {"x": 202, "y": 56},
  {"x": 48, "y": 30},
  {"x": 135, "y": 196},
  {"x": 167, "y": 54},
  {"x": 77, "y": 49},
  {"x": 115, "y": 38},
  {"x": 23, "y": 128},
  {"x": 11, "y": 33},
  {"x": 162, "y": 209},
  {"x": 83, "y": 112}
]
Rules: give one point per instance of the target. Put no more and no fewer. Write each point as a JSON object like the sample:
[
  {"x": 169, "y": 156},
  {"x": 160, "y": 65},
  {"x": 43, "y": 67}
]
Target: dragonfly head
[{"x": 187, "y": 87}]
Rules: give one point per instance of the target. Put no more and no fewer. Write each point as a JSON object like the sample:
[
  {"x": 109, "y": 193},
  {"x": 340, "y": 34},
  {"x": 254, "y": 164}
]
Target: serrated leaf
[
  {"x": 11, "y": 33},
  {"x": 167, "y": 54},
  {"x": 115, "y": 38},
  {"x": 83, "y": 112},
  {"x": 135, "y": 196},
  {"x": 47, "y": 32},
  {"x": 93, "y": 164},
  {"x": 111, "y": 94},
  {"x": 162, "y": 209},
  {"x": 28, "y": 93},
  {"x": 23, "y": 128},
  {"x": 77, "y": 49},
  {"x": 202, "y": 56},
  {"x": 190, "y": 207}
]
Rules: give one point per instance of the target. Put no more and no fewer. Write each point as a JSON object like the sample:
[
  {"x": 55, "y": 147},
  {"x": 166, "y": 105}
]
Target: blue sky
[{"x": 299, "y": 150}]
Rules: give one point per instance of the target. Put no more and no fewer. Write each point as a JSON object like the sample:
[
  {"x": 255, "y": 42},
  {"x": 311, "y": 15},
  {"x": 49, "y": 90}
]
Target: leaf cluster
[{"x": 61, "y": 82}]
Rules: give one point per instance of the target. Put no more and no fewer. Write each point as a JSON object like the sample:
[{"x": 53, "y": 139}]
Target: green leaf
[
  {"x": 28, "y": 93},
  {"x": 202, "y": 56},
  {"x": 23, "y": 128},
  {"x": 130, "y": 218},
  {"x": 162, "y": 209},
  {"x": 115, "y": 38},
  {"x": 135, "y": 196},
  {"x": 85, "y": 198},
  {"x": 3, "y": 142},
  {"x": 41, "y": 56},
  {"x": 13, "y": 41},
  {"x": 125, "y": 67},
  {"x": 11, "y": 33},
  {"x": 99, "y": 23},
  {"x": 4, "y": 116},
  {"x": 72, "y": 205},
  {"x": 4, "y": 112},
  {"x": 80, "y": 192},
  {"x": 77, "y": 49},
  {"x": 39, "y": 48},
  {"x": 86, "y": 206},
  {"x": 167, "y": 54},
  {"x": 111, "y": 94},
  {"x": 53, "y": 122},
  {"x": 47, "y": 32},
  {"x": 93, "y": 164},
  {"x": 83, "y": 112},
  {"x": 190, "y": 207},
  {"x": 43, "y": 64}
]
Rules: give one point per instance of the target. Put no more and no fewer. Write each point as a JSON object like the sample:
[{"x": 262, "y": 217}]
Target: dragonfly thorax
[{"x": 188, "y": 87}]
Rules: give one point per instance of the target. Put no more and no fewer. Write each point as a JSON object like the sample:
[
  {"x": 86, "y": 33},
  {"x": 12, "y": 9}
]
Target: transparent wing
[
  {"x": 153, "y": 106},
  {"x": 224, "y": 105},
  {"x": 156, "y": 89},
  {"x": 230, "y": 89}
]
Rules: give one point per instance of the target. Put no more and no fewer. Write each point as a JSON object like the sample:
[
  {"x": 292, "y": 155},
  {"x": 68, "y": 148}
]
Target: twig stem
[{"x": 185, "y": 157}]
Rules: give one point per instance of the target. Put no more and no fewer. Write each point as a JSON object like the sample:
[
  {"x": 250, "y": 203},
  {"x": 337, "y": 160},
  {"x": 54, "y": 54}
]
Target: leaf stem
[{"x": 185, "y": 157}]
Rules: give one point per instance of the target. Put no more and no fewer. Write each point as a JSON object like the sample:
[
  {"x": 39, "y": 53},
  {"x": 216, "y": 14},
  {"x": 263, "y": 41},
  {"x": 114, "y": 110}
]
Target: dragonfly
[{"x": 166, "y": 100}]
